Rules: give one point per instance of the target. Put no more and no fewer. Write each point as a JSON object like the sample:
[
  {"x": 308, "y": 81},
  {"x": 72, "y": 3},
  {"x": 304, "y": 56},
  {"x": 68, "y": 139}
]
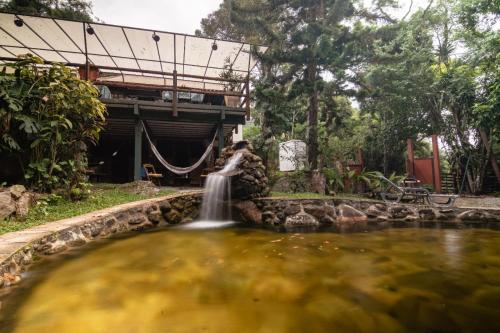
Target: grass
[
  {"x": 303, "y": 195},
  {"x": 102, "y": 196}
]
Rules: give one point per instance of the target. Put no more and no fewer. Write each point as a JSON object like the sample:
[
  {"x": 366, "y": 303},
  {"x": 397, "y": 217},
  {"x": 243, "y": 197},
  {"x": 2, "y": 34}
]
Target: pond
[{"x": 240, "y": 279}]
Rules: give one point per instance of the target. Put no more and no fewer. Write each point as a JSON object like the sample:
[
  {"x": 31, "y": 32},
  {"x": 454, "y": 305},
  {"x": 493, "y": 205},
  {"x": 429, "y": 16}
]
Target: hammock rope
[{"x": 175, "y": 169}]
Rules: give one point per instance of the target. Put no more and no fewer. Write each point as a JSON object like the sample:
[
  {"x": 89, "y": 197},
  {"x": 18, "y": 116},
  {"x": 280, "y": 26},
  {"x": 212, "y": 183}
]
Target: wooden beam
[
  {"x": 138, "y": 150},
  {"x": 174, "y": 95},
  {"x": 248, "y": 98},
  {"x": 220, "y": 136}
]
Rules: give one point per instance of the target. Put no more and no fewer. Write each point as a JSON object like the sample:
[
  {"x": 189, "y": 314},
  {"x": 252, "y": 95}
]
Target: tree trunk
[
  {"x": 312, "y": 118},
  {"x": 489, "y": 153}
]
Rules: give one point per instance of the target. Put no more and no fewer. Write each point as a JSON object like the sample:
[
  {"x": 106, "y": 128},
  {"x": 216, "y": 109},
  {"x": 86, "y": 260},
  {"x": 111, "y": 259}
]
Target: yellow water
[{"x": 252, "y": 280}]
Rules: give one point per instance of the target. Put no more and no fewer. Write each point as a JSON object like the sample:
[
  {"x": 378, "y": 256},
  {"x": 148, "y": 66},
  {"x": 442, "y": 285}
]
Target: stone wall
[
  {"x": 250, "y": 180},
  {"x": 21, "y": 248},
  {"x": 356, "y": 215}
]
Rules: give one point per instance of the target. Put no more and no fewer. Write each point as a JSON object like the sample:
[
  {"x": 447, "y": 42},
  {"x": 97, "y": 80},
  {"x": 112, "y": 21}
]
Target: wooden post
[
  {"x": 174, "y": 95},
  {"x": 220, "y": 136},
  {"x": 436, "y": 166},
  {"x": 87, "y": 67},
  {"x": 137, "y": 145},
  {"x": 247, "y": 93},
  {"x": 410, "y": 163}
]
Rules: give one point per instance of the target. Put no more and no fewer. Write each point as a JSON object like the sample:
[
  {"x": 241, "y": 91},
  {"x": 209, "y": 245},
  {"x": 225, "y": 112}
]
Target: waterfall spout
[{"x": 216, "y": 205}]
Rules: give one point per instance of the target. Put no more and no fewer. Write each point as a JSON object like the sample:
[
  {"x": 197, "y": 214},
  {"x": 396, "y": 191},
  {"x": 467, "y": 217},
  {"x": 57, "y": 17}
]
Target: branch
[{"x": 408, "y": 12}]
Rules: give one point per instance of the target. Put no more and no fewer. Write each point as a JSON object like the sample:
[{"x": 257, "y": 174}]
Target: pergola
[{"x": 143, "y": 58}]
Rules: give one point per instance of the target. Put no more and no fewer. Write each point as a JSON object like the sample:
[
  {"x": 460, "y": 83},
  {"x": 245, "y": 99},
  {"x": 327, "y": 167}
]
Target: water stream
[{"x": 217, "y": 196}]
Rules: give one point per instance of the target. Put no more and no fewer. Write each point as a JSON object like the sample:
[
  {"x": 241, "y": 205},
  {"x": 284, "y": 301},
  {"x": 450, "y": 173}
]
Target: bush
[{"x": 47, "y": 118}]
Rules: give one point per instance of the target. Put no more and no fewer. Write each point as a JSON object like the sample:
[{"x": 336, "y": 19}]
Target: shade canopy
[{"x": 126, "y": 54}]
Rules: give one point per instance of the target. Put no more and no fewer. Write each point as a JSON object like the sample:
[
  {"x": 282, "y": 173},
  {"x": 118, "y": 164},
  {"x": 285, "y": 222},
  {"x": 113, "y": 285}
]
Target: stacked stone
[
  {"x": 250, "y": 180},
  {"x": 15, "y": 200}
]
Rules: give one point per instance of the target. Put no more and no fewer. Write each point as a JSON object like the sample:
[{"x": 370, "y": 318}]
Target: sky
[{"x": 181, "y": 16}]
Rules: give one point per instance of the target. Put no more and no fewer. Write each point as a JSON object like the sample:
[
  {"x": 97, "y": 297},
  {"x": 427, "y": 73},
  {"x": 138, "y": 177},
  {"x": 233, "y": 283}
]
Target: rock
[
  {"x": 427, "y": 213},
  {"x": 23, "y": 205},
  {"x": 292, "y": 209},
  {"x": 318, "y": 211},
  {"x": 1, "y": 281},
  {"x": 249, "y": 181},
  {"x": 173, "y": 217},
  {"x": 137, "y": 219},
  {"x": 327, "y": 220},
  {"x": 268, "y": 217},
  {"x": 398, "y": 212},
  {"x": 10, "y": 279},
  {"x": 165, "y": 207},
  {"x": 17, "y": 190},
  {"x": 373, "y": 211},
  {"x": 475, "y": 215},
  {"x": 249, "y": 211},
  {"x": 301, "y": 219},
  {"x": 349, "y": 214},
  {"x": 7, "y": 205},
  {"x": 141, "y": 187}
]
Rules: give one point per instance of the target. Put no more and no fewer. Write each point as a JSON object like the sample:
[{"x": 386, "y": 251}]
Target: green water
[{"x": 252, "y": 280}]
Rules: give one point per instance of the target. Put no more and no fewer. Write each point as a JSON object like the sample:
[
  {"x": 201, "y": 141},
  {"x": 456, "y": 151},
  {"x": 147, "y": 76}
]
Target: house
[{"x": 169, "y": 96}]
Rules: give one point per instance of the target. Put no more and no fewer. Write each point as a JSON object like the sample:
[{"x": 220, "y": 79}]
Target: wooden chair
[{"x": 152, "y": 175}]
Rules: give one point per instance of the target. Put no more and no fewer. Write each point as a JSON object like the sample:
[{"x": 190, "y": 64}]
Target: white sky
[{"x": 181, "y": 16}]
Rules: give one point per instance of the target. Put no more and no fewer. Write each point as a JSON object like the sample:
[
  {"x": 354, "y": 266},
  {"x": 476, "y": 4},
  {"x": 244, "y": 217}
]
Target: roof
[{"x": 126, "y": 54}]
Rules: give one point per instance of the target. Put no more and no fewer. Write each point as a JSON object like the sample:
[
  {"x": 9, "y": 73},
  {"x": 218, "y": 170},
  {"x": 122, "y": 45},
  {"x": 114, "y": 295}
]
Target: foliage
[
  {"x": 55, "y": 207},
  {"x": 47, "y": 116},
  {"x": 80, "y": 10},
  {"x": 436, "y": 70}
]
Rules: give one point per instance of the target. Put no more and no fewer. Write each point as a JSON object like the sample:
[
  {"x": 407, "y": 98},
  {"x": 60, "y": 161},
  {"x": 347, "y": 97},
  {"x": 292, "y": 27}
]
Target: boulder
[
  {"x": 249, "y": 211},
  {"x": 17, "y": 190},
  {"x": 141, "y": 187},
  {"x": 349, "y": 214},
  {"x": 301, "y": 219},
  {"x": 7, "y": 205},
  {"x": 23, "y": 205}
]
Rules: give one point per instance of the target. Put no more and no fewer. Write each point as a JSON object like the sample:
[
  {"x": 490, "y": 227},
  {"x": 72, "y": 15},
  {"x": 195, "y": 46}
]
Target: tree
[
  {"x": 47, "y": 116},
  {"x": 80, "y": 10}
]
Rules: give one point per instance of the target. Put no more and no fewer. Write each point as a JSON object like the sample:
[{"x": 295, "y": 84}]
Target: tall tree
[{"x": 69, "y": 9}]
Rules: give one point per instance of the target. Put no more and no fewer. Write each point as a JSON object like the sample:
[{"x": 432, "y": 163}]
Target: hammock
[{"x": 173, "y": 168}]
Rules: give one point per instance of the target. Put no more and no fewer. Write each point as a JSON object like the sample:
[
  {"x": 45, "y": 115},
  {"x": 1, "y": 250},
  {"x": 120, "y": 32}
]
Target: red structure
[{"x": 428, "y": 169}]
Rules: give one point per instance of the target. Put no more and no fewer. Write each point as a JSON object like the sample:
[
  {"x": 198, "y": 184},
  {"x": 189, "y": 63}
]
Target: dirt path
[{"x": 482, "y": 201}]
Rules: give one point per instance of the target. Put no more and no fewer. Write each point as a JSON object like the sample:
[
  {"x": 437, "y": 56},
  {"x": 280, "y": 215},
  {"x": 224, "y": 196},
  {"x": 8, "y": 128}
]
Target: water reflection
[{"x": 251, "y": 280}]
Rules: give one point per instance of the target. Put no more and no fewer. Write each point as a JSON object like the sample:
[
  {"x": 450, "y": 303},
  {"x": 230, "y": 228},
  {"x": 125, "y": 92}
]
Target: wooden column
[
  {"x": 410, "y": 163},
  {"x": 436, "y": 166},
  {"x": 220, "y": 136},
  {"x": 247, "y": 93},
  {"x": 137, "y": 146},
  {"x": 174, "y": 95}
]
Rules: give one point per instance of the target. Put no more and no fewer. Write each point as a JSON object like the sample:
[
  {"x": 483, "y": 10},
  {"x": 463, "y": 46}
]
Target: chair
[{"x": 152, "y": 175}]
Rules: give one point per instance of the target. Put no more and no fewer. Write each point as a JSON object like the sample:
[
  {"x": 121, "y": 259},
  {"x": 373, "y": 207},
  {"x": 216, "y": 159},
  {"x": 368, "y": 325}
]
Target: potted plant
[{"x": 232, "y": 83}]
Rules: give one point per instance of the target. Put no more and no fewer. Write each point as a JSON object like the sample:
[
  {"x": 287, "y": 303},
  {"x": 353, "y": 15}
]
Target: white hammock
[{"x": 173, "y": 168}]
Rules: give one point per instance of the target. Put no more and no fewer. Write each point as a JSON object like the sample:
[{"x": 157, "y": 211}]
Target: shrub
[{"x": 47, "y": 118}]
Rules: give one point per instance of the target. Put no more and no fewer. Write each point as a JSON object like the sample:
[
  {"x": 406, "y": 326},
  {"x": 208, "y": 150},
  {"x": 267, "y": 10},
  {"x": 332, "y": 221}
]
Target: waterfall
[{"x": 216, "y": 205}]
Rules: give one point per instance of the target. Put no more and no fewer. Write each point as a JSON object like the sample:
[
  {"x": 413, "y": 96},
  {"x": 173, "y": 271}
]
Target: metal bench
[{"x": 394, "y": 193}]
